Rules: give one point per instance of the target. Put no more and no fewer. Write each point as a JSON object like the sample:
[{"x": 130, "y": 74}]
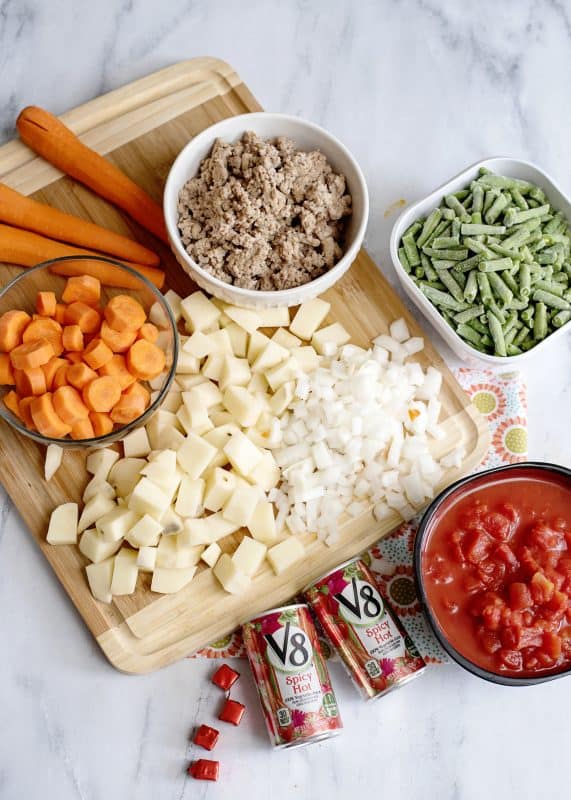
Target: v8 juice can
[
  {"x": 377, "y": 652},
  {"x": 291, "y": 677}
]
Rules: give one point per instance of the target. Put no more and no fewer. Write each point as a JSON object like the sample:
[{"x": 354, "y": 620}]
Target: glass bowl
[{"x": 21, "y": 293}]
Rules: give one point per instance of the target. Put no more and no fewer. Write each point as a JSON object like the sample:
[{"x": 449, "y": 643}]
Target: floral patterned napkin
[{"x": 502, "y": 399}]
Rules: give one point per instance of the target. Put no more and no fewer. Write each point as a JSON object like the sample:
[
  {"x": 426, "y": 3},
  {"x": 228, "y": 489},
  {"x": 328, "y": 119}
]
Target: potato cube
[
  {"x": 258, "y": 342},
  {"x": 171, "y": 522},
  {"x": 286, "y": 339},
  {"x": 266, "y": 474},
  {"x": 262, "y": 524},
  {"x": 196, "y": 413},
  {"x": 198, "y": 345},
  {"x": 306, "y": 357},
  {"x": 309, "y": 317},
  {"x": 136, "y": 444},
  {"x": 258, "y": 383},
  {"x": 220, "y": 484},
  {"x": 206, "y": 530},
  {"x": 147, "y": 559},
  {"x": 242, "y": 454},
  {"x": 161, "y": 467},
  {"x": 195, "y": 455},
  {"x": 211, "y": 554},
  {"x": 187, "y": 364},
  {"x": 148, "y": 498},
  {"x": 282, "y": 373},
  {"x": 282, "y": 398},
  {"x": 168, "y": 581},
  {"x": 98, "y": 506},
  {"x": 97, "y": 486},
  {"x": 238, "y": 338},
  {"x": 207, "y": 392},
  {"x": 244, "y": 317},
  {"x": 283, "y": 555},
  {"x": 272, "y": 355},
  {"x": 99, "y": 577},
  {"x": 184, "y": 383},
  {"x": 95, "y": 548},
  {"x": 221, "y": 418},
  {"x": 99, "y": 462},
  {"x": 187, "y": 554},
  {"x": 190, "y": 497},
  {"x": 249, "y": 555},
  {"x": 158, "y": 316},
  {"x": 145, "y": 533},
  {"x": 172, "y": 401},
  {"x": 213, "y": 366},
  {"x": 199, "y": 312},
  {"x": 235, "y": 372},
  {"x": 240, "y": 505},
  {"x": 54, "y": 457},
  {"x": 174, "y": 302},
  {"x": 244, "y": 407},
  {"x": 125, "y": 572},
  {"x": 63, "y": 524},
  {"x": 232, "y": 579},
  {"x": 164, "y": 431},
  {"x": 221, "y": 343},
  {"x": 114, "y": 525},
  {"x": 334, "y": 334},
  {"x": 274, "y": 317},
  {"x": 167, "y": 552}
]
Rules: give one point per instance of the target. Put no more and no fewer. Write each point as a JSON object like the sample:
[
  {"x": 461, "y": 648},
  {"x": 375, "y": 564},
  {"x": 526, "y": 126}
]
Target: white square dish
[{"x": 511, "y": 168}]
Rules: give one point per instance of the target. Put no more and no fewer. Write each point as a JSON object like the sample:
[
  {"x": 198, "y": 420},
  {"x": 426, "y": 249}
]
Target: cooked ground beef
[{"x": 263, "y": 215}]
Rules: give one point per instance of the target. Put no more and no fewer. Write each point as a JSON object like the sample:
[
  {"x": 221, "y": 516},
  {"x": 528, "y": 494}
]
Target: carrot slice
[
  {"x": 79, "y": 375},
  {"x": 45, "y": 418},
  {"x": 6, "y": 372},
  {"x": 12, "y": 403},
  {"x": 54, "y": 141},
  {"x": 128, "y": 409},
  {"x": 124, "y": 313},
  {"x": 83, "y": 315},
  {"x": 60, "y": 378},
  {"x": 45, "y": 301},
  {"x": 12, "y": 325},
  {"x": 117, "y": 368},
  {"x": 72, "y": 338},
  {"x": 45, "y": 328},
  {"x": 31, "y": 354},
  {"x": 101, "y": 394},
  {"x": 82, "y": 288},
  {"x": 145, "y": 360},
  {"x": 23, "y": 212},
  {"x": 102, "y": 423},
  {"x": 25, "y": 412},
  {"x": 83, "y": 429},
  {"x": 69, "y": 406},
  {"x": 118, "y": 341},
  {"x": 74, "y": 358},
  {"x": 138, "y": 390},
  {"x": 149, "y": 332},
  {"x": 34, "y": 381},
  {"x": 97, "y": 354},
  {"x": 59, "y": 315},
  {"x": 50, "y": 369}
]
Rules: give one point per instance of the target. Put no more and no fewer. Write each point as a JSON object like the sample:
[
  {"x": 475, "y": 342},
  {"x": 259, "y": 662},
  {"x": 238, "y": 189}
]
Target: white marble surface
[{"x": 417, "y": 89}]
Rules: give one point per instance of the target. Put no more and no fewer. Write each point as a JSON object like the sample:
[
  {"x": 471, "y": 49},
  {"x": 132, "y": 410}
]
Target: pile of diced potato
[{"x": 202, "y": 467}]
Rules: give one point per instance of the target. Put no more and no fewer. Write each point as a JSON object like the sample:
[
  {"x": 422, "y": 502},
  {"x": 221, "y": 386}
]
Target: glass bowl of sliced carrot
[{"x": 88, "y": 351}]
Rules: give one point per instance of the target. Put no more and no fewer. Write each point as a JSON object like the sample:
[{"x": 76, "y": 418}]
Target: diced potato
[
  {"x": 187, "y": 364},
  {"x": 286, "y": 339},
  {"x": 244, "y": 317},
  {"x": 282, "y": 398},
  {"x": 306, "y": 357},
  {"x": 262, "y": 525},
  {"x": 96, "y": 486},
  {"x": 114, "y": 525},
  {"x": 272, "y": 355},
  {"x": 125, "y": 474},
  {"x": 185, "y": 383},
  {"x": 244, "y": 406},
  {"x": 97, "y": 507},
  {"x": 147, "y": 559},
  {"x": 242, "y": 454},
  {"x": 167, "y": 552},
  {"x": 164, "y": 431},
  {"x": 258, "y": 383},
  {"x": 199, "y": 312},
  {"x": 174, "y": 300},
  {"x": 99, "y": 577},
  {"x": 195, "y": 414},
  {"x": 283, "y": 555},
  {"x": 221, "y": 343},
  {"x": 148, "y": 498},
  {"x": 309, "y": 317},
  {"x": 99, "y": 462},
  {"x": 63, "y": 525},
  {"x": 190, "y": 497},
  {"x": 232, "y": 579},
  {"x": 172, "y": 523},
  {"x": 54, "y": 457},
  {"x": 199, "y": 345},
  {"x": 239, "y": 339},
  {"x": 136, "y": 444},
  {"x": 249, "y": 555},
  {"x": 125, "y": 572},
  {"x": 212, "y": 367},
  {"x": 207, "y": 392},
  {"x": 161, "y": 468},
  {"x": 172, "y": 401},
  {"x": 274, "y": 317},
  {"x": 206, "y": 530},
  {"x": 266, "y": 474},
  {"x": 258, "y": 342},
  {"x": 145, "y": 533},
  {"x": 235, "y": 372},
  {"x": 220, "y": 484},
  {"x": 283, "y": 373},
  {"x": 156, "y": 383},
  {"x": 334, "y": 333},
  {"x": 168, "y": 581},
  {"x": 220, "y": 418},
  {"x": 187, "y": 554},
  {"x": 195, "y": 455},
  {"x": 240, "y": 505},
  {"x": 158, "y": 316},
  {"x": 95, "y": 548},
  {"x": 211, "y": 554}
]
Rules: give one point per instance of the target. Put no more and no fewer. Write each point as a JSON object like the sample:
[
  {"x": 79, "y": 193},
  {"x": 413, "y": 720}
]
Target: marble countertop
[{"x": 417, "y": 89}]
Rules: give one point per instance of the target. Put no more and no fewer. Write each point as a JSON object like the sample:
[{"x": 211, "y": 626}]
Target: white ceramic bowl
[
  {"x": 307, "y": 136},
  {"x": 512, "y": 168}
]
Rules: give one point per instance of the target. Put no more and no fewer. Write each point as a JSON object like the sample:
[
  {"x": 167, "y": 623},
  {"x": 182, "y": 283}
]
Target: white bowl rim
[
  {"x": 424, "y": 304},
  {"x": 278, "y": 295}
]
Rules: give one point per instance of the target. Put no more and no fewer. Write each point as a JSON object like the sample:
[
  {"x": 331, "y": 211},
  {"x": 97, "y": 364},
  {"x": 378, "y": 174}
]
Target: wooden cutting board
[{"x": 141, "y": 128}]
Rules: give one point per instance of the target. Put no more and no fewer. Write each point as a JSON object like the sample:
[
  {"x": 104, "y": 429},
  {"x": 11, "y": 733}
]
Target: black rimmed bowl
[{"x": 431, "y": 518}]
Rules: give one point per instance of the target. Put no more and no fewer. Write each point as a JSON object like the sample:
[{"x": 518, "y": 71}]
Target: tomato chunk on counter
[
  {"x": 232, "y": 712},
  {"x": 206, "y": 737},
  {"x": 204, "y": 770},
  {"x": 225, "y": 677}
]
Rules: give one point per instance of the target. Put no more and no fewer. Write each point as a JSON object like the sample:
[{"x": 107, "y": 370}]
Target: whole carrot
[
  {"x": 46, "y": 135},
  {"x": 28, "y": 249},
  {"x": 24, "y": 212}
]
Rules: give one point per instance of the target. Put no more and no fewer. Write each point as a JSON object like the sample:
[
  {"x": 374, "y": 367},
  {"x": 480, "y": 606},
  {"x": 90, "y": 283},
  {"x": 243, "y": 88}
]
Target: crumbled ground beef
[{"x": 263, "y": 215}]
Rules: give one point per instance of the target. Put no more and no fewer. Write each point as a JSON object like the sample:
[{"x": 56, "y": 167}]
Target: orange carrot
[
  {"x": 79, "y": 375},
  {"x": 101, "y": 394},
  {"x": 31, "y": 354},
  {"x": 6, "y": 371},
  {"x": 23, "y": 212},
  {"x": 25, "y": 412},
  {"x": 83, "y": 429},
  {"x": 51, "y": 139},
  {"x": 12, "y": 325},
  {"x": 28, "y": 249},
  {"x": 45, "y": 301},
  {"x": 117, "y": 368},
  {"x": 97, "y": 354},
  {"x": 45, "y": 418},
  {"x": 149, "y": 332},
  {"x": 72, "y": 338},
  {"x": 145, "y": 360},
  {"x": 60, "y": 378},
  {"x": 74, "y": 358},
  {"x": 102, "y": 423},
  {"x": 59, "y": 315},
  {"x": 128, "y": 409},
  {"x": 32, "y": 381},
  {"x": 50, "y": 369},
  {"x": 12, "y": 402},
  {"x": 84, "y": 316},
  {"x": 69, "y": 406},
  {"x": 117, "y": 341},
  {"x": 83, "y": 288},
  {"x": 124, "y": 313},
  {"x": 45, "y": 329}
]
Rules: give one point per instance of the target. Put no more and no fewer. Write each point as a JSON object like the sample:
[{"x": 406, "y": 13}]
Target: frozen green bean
[
  {"x": 452, "y": 255},
  {"x": 468, "y": 314},
  {"x": 411, "y": 249},
  {"x": 468, "y": 333},
  {"x": 499, "y": 288},
  {"x": 541, "y": 296},
  {"x": 495, "y": 265},
  {"x": 469, "y": 229},
  {"x": 497, "y": 334},
  {"x": 471, "y": 288},
  {"x": 443, "y": 242},
  {"x": 453, "y": 203},
  {"x": 524, "y": 280},
  {"x": 499, "y": 204},
  {"x": 451, "y": 284},
  {"x": 540, "y": 321},
  {"x": 429, "y": 226},
  {"x": 561, "y": 318},
  {"x": 440, "y": 298}
]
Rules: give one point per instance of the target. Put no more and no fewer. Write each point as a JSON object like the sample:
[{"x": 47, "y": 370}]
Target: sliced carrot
[
  {"x": 101, "y": 394},
  {"x": 31, "y": 354},
  {"x": 124, "y": 313},
  {"x": 145, "y": 360},
  {"x": 50, "y": 369},
  {"x": 45, "y": 418},
  {"x": 128, "y": 409},
  {"x": 74, "y": 358},
  {"x": 138, "y": 390},
  {"x": 117, "y": 368},
  {"x": 6, "y": 372},
  {"x": 149, "y": 332},
  {"x": 59, "y": 315},
  {"x": 46, "y": 303},
  {"x": 72, "y": 338},
  {"x": 102, "y": 423},
  {"x": 97, "y": 354},
  {"x": 83, "y": 315},
  {"x": 25, "y": 412},
  {"x": 69, "y": 406},
  {"x": 79, "y": 375},
  {"x": 12, "y": 402},
  {"x": 82, "y": 288},
  {"x": 46, "y": 328},
  {"x": 33, "y": 382},
  {"x": 118, "y": 341},
  {"x": 12, "y": 325},
  {"x": 82, "y": 430},
  {"x": 60, "y": 378}
]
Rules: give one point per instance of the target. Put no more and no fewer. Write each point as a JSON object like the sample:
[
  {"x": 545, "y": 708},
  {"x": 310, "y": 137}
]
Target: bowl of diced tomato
[
  {"x": 493, "y": 566},
  {"x": 88, "y": 349}
]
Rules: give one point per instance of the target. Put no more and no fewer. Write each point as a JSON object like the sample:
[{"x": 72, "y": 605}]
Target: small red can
[
  {"x": 291, "y": 677},
  {"x": 377, "y": 652}
]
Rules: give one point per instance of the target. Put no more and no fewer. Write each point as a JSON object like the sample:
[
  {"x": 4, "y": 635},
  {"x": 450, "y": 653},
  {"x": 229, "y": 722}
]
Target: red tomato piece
[
  {"x": 520, "y": 596},
  {"x": 505, "y": 554},
  {"x": 497, "y": 525},
  {"x": 225, "y": 677},
  {"x": 490, "y": 641},
  {"x": 546, "y": 538},
  {"x": 206, "y": 737},
  {"x": 551, "y": 645},
  {"x": 232, "y": 712},
  {"x": 541, "y": 588},
  {"x": 477, "y": 546},
  {"x": 204, "y": 770},
  {"x": 510, "y": 659}
]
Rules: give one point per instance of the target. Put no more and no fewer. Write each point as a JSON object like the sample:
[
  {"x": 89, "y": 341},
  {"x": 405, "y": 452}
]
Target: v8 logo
[
  {"x": 289, "y": 648},
  {"x": 360, "y": 603}
]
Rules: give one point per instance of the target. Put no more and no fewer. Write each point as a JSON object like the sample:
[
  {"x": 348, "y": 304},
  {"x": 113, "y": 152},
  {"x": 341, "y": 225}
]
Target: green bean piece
[
  {"x": 448, "y": 213},
  {"x": 500, "y": 250},
  {"x": 419, "y": 272},
  {"x": 440, "y": 298},
  {"x": 451, "y": 255},
  {"x": 404, "y": 260},
  {"x": 553, "y": 225},
  {"x": 484, "y": 171},
  {"x": 519, "y": 199},
  {"x": 467, "y": 201},
  {"x": 443, "y": 242},
  {"x": 513, "y": 350},
  {"x": 429, "y": 226},
  {"x": 567, "y": 268},
  {"x": 468, "y": 229},
  {"x": 561, "y": 277},
  {"x": 477, "y": 198},
  {"x": 537, "y": 194},
  {"x": 436, "y": 284},
  {"x": 429, "y": 270},
  {"x": 547, "y": 256},
  {"x": 550, "y": 286},
  {"x": 459, "y": 277},
  {"x": 478, "y": 325},
  {"x": 485, "y": 288},
  {"x": 411, "y": 250},
  {"x": 510, "y": 282},
  {"x": 498, "y": 312},
  {"x": 470, "y": 263},
  {"x": 468, "y": 333},
  {"x": 520, "y": 336},
  {"x": 501, "y": 182},
  {"x": 497, "y": 334},
  {"x": 471, "y": 288},
  {"x": 476, "y": 218},
  {"x": 443, "y": 264},
  {"x": 452, "y": 285},
  {"x": 540, "y": 321},
  {"x": 455, "y": 229},
  {"x": 487, "y": 340},
  {"x": 502, "y": 292},
  {"x": 524, "y": 280},
  {"x": 527, "y": 313},
  {"x": 525, "y": 254},
  {"x": 478, "y": 247},
  {"x": 495, "y": 265},
  {"x": 413, "y": 229},
  {"x": 518, "y": 305},
  {"x": 462, "y": 194},
  {"x": 499, "y": 204},
  {"x": 532, "y": 203},
  {"x": 510, "y": 336},
  {"x": 517, "y": 239},
  {"x": 470, "y": 313},
  {"x": 517, "y": 217},
  {"x": 489, "y": 198},
  {"x": 453, "y": 203},
  {"x": 549, "y": 299},
  {"x": 440, "y": 230},
  {"x": 509, "y": 323},
  {"x": 561, "y": 318}
]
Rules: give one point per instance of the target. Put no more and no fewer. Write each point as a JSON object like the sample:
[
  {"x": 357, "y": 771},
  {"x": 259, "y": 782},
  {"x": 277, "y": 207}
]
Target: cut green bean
[
  {"x": 468, "y": 229},
  {"x": 470, "y": 313},
  {"x": 512, "y": 350},
  {"x": 478, "y": 247},
  {"x": 510, "y": 282},
  {"x": 411, "y": 250},
  {"x": 471, "y": 288},
  {"x": 550, "y": 286},
  {"x": 443, "y": 242},
  {"x": 561, "y": 318},
  {"x": 429, "y": 270},
  {"x": 452, "y": 285},
  {"x": 552, "y": 300},
  {"x": 453, "y": 203},
  {"x": 449, "y": 255},
  {"x": 495, "y": 265},
  {"x": 429, "y": 226},
  {"x": 540, "y": 321},
  {"x": 485, "y": 288},
  {"x": 520, "y": 336},
  {"x": 524, "y": 280},
  {"x": 519, "y": 199},
  {"x": 404, "y": 260},
  {"x": 477, "y": 198},
  {"x": 497, "y": 334},
  {"x": 442, "y": 264},
  {"x": 501, "y": 182},
  {"x": 496, "y": 208},
  {"x": 468, "y": 333},
  {"x": 440, "y": 298},
  {"x": 448, "y": 213},
  {"x": 514, "y": 217},
  {"x": 500, "y": 250},
  {"x": 459, "y": 277},
  {"x": 499, "y": 288}
]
